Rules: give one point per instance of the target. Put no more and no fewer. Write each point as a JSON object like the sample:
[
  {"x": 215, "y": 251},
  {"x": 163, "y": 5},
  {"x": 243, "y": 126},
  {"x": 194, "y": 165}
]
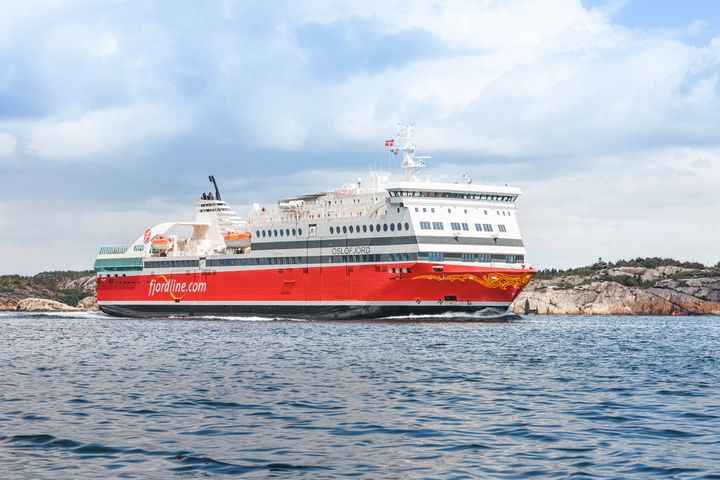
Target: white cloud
[
  {"x": 104, "y": 132},
  {"x": 7, "y": 145}
]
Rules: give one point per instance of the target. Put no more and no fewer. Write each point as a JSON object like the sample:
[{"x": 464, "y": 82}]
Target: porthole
[
  {"x": 344, "y": 229},
  {"x": 263, "y": 233},
  {"x": 294, "y": 232},
  {"x": 287, "y": 232},
  {"x": 392, "y": 227},
  {"x": 282, "y": 233},
  {"x": 364, "y": 228},
  {"x": 399, "y": 226},
  {"x": 300, "y": 231},
  {"x": 257, "y": 233},
  {"x": 407, "y": 226},
  {"x": 372, "y": 227},
  {"x": 385, "y": 227},
  {"x": 332, "y": 230},
  {"x": 351, "y": 229}
]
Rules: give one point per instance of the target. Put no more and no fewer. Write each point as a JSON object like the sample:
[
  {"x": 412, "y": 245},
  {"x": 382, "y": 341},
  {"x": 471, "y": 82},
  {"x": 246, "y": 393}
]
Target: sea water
[{"x": 90, "y": 396}]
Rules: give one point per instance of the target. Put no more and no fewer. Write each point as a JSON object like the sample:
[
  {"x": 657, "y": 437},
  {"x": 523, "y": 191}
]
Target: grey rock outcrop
[
  {"x": 88, "y": 303},
  {"x": 576, "y": 295},
  {"x": 43, "y": 305}
]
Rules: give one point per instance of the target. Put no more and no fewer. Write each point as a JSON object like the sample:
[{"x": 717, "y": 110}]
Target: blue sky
[{"x": 605, "y": 112}]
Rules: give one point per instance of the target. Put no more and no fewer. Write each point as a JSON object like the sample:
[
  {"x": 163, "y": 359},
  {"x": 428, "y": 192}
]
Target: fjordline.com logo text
[{"x": 176, "y": 289}]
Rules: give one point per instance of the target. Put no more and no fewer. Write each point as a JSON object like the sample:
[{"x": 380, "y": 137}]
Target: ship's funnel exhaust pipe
[{"x": 217, "y": 192}]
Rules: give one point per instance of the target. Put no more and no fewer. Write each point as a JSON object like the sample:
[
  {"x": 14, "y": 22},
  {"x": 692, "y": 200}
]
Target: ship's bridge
[{"x": 401, "y": 192}]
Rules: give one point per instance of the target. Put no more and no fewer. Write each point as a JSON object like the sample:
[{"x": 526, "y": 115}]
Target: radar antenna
[
  {"x": 217, "y": 192},
  {"x": 411, "y": 164}
]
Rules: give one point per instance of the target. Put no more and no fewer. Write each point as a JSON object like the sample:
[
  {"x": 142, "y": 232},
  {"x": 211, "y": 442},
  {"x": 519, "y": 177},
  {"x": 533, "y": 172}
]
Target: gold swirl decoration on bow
[{"x": 489, "y": 280}]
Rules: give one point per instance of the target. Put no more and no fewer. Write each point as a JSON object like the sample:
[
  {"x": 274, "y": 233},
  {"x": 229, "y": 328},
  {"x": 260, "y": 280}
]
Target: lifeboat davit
[
  {"x": 237, "y": 239},
  {"x": 162, "y": 244}
]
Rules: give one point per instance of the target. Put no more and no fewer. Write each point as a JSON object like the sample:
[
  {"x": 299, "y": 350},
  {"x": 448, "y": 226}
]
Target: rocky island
[
  {"x": 48, "y": 292},
  {"x": 644, "y": 286}
]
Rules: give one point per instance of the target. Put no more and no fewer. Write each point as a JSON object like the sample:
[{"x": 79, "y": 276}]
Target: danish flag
[{"x": 390, "y": 143}]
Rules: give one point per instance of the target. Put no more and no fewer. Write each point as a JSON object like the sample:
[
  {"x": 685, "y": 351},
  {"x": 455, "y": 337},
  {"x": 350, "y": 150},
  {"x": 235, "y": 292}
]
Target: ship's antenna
[
  {"x": 217, "y": 192},
  {"x": 410, "y": 163}
]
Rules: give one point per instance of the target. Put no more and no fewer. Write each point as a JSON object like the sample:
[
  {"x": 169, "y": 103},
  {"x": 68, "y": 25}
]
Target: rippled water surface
[{"x": 88, "y": 396}]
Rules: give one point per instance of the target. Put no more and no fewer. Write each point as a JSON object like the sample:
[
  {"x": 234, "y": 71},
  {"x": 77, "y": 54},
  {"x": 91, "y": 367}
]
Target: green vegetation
[{"x": 599, "y": 269}]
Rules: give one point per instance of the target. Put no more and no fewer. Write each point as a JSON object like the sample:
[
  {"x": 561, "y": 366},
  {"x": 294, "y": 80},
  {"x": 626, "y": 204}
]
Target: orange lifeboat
[
  {"x": 162, "y": 244},
  {"x": 237, "y": 239}
]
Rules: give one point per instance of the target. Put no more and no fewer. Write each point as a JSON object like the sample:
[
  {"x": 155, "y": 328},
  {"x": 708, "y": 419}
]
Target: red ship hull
[{"x": 335, "y": 292}]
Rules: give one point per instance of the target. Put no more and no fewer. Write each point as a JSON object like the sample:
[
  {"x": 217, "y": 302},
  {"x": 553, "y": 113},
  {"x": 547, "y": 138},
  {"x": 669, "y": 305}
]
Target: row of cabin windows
[
  {"x": 281, "y": 233},
  {"x": 432, "y": 210},
  {"x": 475, "y": 257},
  {"x": 372, "y": 228},
  {"x": 466, "y": 196},
  {"x": 486, "y": 227},
  {"x": 391, "y": 257},
  {"x": 457, "y": 226}
]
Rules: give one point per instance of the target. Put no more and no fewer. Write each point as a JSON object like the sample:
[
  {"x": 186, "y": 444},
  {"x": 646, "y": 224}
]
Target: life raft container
[
  {"x": 237, "y": 239},
  {"x": 161, "y": 244}
]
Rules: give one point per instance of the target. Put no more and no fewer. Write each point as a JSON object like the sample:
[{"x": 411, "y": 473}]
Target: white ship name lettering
[{"x": 351, "y": 250}]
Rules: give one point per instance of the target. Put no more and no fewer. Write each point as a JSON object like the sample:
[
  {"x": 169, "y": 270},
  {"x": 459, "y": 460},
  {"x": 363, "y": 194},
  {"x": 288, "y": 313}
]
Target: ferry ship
[{"x": 372, "y": 249}]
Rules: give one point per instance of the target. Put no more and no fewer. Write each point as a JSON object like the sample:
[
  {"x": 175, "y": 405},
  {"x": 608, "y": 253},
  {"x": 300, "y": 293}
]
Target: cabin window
[
  {"x": 416, "y": 209},
  {"x": 510, "y": 258},
  {"x": 438, "y": 226},
  {"x": 465, "y": 227},
  {"x": 436, "y": 256},
  {"x": 424, "y": 209},
  {"x": 424, "y": 225},
  {"x": 487, "y": 227},
  {"x": 502, "y": 228}
]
